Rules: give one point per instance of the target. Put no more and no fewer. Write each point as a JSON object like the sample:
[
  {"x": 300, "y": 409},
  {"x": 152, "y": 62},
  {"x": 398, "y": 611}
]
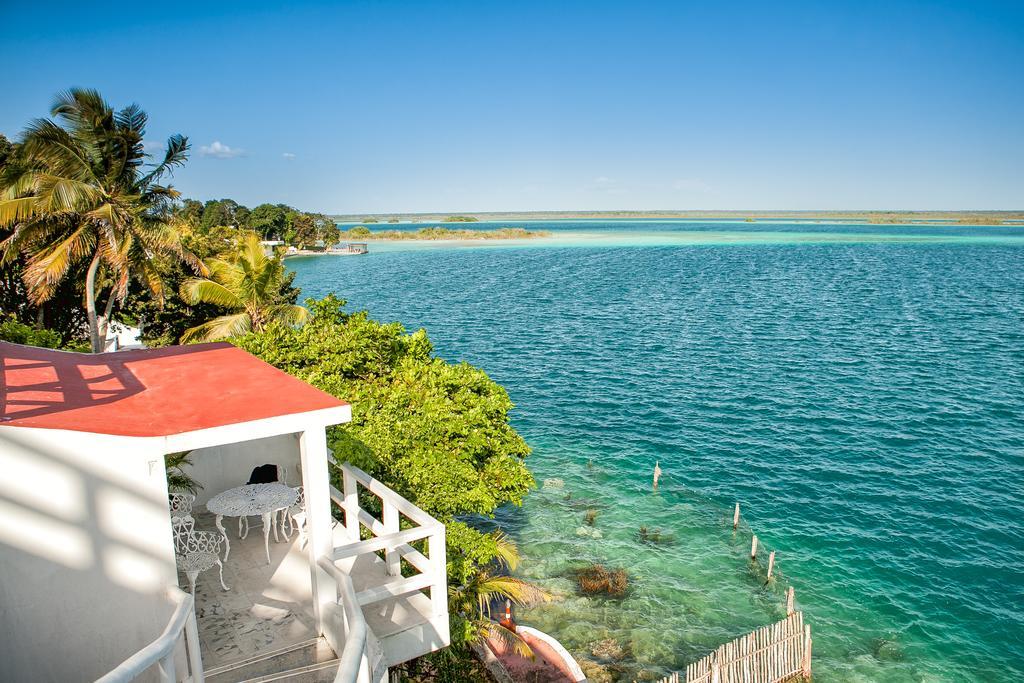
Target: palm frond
[
  {"x": 15, "y": 210},
  {"x": 176, "y": 154},
  {"x": 513, "y": 640},
  {"x": 289, "y": 314},
  {"x": 132, "y": 118},
  {"x": 219, "y": 328},
  {"x": 47, "y": 267},
  {"x": 507, "y": 552},
  {"x": 48, "y": 145},
  {"x": 199, "y": 290},
  {"x": 490, "y": 588}
]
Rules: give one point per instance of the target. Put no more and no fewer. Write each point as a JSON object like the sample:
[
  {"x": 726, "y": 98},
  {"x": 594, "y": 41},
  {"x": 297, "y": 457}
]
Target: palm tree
[
  {"x": 247, "y": 280},
  {"x": 178, "y": 480},
  {"x": 78, "y": 189},
  {"x": 473, "y": 600}
]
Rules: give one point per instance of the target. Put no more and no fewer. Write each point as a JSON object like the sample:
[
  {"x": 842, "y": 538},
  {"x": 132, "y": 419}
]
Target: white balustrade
[
  {"x": 161, "y": 651},
  {"x": 361, "y": 654},
  {"x": 362, "y": 651}
]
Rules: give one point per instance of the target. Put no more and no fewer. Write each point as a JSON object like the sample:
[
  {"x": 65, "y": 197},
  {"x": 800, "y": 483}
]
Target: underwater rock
[
  {"x": 594, "y": 672},
  {"x": 609, "y": 648},
  {"x": 589, "y": 532},
  {"x": 649, "y": 645},
  {"x": 554, "y": 483},
  {"x": 887, "y": 650}
]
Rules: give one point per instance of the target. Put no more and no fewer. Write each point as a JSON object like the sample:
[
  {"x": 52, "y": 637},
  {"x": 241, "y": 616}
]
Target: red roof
[{"x": 148, "y": 392}]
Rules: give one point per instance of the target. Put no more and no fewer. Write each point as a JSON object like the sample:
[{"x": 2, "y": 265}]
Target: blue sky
[{"x": 475, "y": 106}]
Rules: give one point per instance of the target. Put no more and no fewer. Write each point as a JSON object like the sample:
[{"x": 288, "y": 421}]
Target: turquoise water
[{"x": 859, "y": 389}]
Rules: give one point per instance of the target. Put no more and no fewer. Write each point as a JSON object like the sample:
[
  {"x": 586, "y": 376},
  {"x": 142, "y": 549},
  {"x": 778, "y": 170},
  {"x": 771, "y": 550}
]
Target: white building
[{"x": 88, "y": 582}]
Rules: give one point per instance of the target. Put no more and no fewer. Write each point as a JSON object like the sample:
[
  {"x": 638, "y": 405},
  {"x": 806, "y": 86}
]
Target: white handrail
[
  {"x": 350, "y": 659},
  {"x": 381, "y": 490},
  {"x": 358, "y": 659},
  {"x": 161, "y": 650}
]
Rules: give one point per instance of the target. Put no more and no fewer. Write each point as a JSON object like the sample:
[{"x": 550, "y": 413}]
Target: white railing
[
  {"x": 361, "y": 652},
  {"x": 388, "y": 536},
  {"x": 354, "y": 657},
  {"x": 161, "y": 650}
]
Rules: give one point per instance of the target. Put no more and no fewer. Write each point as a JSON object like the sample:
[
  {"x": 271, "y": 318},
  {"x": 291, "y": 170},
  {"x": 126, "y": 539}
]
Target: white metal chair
[
  {"x": 181, "y": 504},
  {"x": 295, "y": 515},
  {"x": 196, "y": 551}
]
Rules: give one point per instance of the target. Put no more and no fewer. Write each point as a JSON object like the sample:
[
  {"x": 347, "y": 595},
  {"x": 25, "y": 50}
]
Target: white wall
[
  {"x": 220, "y": 468},
  {"x": 85, "y": 552}
]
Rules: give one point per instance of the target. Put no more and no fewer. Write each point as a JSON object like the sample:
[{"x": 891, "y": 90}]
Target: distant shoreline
[{"x": 870, "y": 217}]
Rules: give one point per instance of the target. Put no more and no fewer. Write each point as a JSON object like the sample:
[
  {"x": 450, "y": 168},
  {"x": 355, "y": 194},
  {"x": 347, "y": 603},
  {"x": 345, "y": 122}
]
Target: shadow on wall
[{"x": 86, "y": 553}]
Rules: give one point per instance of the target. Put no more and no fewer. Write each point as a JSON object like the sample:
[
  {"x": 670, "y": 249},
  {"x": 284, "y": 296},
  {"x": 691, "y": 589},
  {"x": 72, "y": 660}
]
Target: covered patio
[{"x": 329, "y": 603}]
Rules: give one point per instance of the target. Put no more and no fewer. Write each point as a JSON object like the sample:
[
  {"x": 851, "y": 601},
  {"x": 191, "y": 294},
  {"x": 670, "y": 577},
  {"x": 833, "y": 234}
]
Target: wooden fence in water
[{"x": 777, "y": 652}]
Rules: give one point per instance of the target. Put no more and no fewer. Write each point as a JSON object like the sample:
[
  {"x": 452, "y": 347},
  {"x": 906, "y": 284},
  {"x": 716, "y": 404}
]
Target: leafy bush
[
  {"x": 13, "y": 331},
  {"x": 435, "y": 432},
  {"x": 358, "y": 232}
]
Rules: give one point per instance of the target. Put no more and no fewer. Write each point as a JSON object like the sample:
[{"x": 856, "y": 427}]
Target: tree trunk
[
  {"x": 90, "y": 305},
  {"x": 105, "y": 325}
]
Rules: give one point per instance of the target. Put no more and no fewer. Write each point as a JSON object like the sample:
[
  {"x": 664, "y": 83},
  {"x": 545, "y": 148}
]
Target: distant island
[
  {"x": 875, "y": 217},
  {"x": 362, "y": 233}
]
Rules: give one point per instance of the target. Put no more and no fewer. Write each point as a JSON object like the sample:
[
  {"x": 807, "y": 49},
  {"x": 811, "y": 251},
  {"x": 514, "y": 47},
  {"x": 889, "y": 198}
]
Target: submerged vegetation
[
  {"x": 597, "y": 579},
  {"x": 363, "y": 233}
]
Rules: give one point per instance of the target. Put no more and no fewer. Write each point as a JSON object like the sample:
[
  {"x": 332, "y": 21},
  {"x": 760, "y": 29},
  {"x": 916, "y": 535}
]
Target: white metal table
[{"x": 254, "y": 499}]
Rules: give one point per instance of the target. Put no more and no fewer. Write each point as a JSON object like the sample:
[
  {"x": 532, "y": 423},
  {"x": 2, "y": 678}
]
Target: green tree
[
  {"x": 327, "y": 229},
  {"x": 18, "y": 333},
  {"x": 6, "y": 148},
  {"x": 248, "y": 281},
  {"x": 437, "y": 433},
  {"x": 77, "y": 192},
  {"x": 470, "y": 600},
  {"x": 217, "y": 212},
  {"x": 303, "y": 232},
  {"x": 270, "y": 220}
]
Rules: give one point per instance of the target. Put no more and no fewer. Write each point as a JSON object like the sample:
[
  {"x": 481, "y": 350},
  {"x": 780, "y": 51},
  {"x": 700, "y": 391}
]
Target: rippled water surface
[{"x": 859, "y": 389}]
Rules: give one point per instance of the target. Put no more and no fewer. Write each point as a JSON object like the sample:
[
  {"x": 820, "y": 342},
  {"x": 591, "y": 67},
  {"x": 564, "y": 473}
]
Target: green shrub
[{"x": 13, "y": 331}]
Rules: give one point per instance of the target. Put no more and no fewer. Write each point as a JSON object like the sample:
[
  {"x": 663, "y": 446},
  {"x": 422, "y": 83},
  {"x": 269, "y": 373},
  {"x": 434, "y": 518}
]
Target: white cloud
[
  {"x": 218, "y": 150},
  {"x": 288, "y": 155}
]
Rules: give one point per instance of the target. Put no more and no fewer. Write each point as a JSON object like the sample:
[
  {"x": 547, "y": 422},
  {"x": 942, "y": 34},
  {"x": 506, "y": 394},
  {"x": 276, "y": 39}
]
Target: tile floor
[{"x": 268, "y": 606}]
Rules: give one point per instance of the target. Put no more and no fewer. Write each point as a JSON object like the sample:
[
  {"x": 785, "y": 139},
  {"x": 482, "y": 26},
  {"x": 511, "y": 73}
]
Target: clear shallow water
[{"x": 860, "y": 390}]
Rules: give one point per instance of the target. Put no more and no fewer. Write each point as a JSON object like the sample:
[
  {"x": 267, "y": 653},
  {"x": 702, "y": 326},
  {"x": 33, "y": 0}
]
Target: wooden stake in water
[
  {"x": 736, "y": 517},
  {"x": 657, "y": 474},
  {"x": 790, "y": 594},
  {"x": 753, "y": 548},
  {"x": 771, "y": 563},
  {"x": 807, "y": 651}
]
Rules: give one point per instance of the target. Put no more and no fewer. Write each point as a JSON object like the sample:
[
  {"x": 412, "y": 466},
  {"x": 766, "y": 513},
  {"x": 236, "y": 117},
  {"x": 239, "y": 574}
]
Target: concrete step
[
  {"x": 310, "y": 660},
  {"x": 314, "y": 673}
]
